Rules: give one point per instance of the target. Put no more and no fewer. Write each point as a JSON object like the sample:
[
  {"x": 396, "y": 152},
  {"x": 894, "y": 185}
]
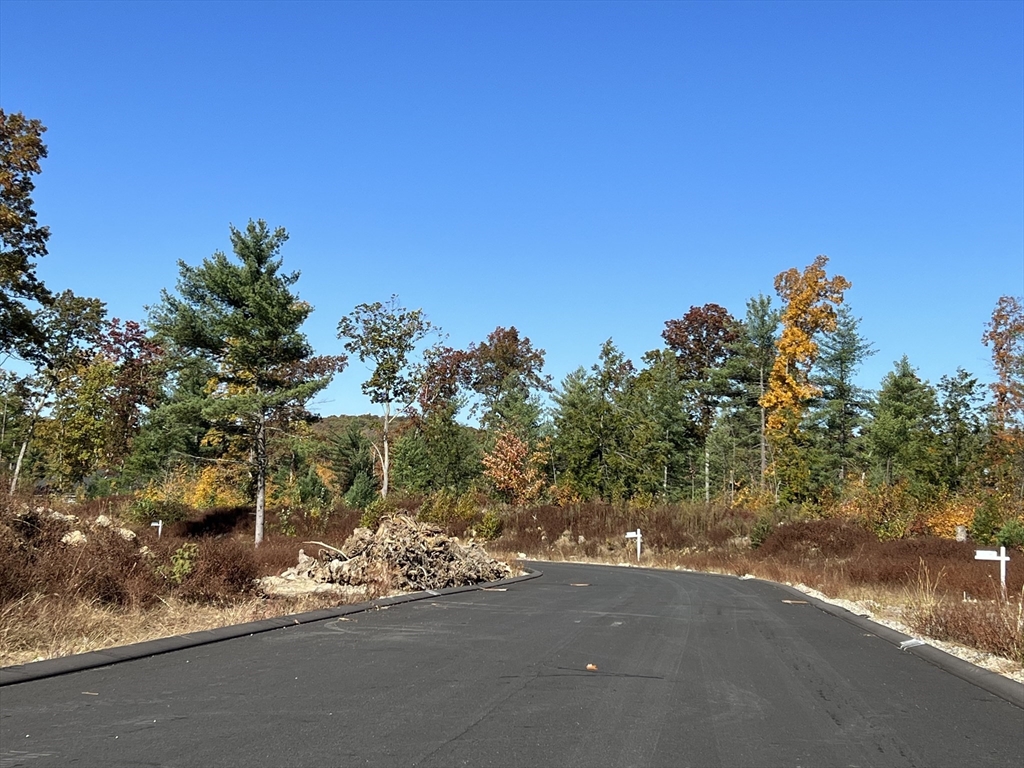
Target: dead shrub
[
  {"x": 224, "y": 569},
  {"x": 996, "y": 626},
  {"x": 829, "y": 538}
]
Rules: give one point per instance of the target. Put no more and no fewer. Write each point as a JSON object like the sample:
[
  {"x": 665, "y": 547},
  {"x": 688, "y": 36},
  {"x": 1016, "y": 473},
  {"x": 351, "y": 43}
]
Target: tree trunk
[
  {"x": 707, "y": 474},
  {"x": 17, "y": 466},
  {"x": 24, "y": 443},
  {"x": 385, "y": 456},
  {"x": 386, "y": 469},
  {"x": 764, "y": 452},
  {"x": 261, "y": 475}
]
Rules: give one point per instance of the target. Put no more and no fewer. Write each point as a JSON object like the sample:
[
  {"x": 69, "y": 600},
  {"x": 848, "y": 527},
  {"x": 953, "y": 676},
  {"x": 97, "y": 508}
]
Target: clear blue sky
[{"x": 578, "y": 170}]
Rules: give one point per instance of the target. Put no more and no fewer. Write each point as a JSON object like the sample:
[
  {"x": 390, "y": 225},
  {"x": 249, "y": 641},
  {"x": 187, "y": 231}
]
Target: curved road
[{"x": 691, "y": 670}]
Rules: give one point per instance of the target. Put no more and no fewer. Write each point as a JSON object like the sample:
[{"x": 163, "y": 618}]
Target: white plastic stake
[
  {"x": 159, "y": 525},
  {"x": 1002, "y": 557},
  {"x": 635, "y": 535}
]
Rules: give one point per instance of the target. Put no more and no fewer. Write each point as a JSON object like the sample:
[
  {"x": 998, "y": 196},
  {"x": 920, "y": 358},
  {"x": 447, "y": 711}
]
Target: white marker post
[
  {"x": 635, "y": 535},
  {"x": 159, "y": 525},
  {"x": 1001, "y": 556}
]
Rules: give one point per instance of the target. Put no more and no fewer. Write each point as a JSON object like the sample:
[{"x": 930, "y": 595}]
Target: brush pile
[{"x": 401, "y": 555}]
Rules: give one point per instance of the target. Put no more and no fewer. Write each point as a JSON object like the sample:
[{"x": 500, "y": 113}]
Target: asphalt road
[{"x": 691, "y": 670}]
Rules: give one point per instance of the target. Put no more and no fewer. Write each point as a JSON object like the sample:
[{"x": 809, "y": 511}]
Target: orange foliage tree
[
  {"x": 1005, "y": 334},
  {"x": 513, "y": 470},
  {"x": 809, "y": 299}
]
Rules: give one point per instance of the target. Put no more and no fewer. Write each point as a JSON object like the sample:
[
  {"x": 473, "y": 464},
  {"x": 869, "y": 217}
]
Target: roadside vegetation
[
  {"x": 85, "y": 576},
  {"x": 740, "y": 442}
]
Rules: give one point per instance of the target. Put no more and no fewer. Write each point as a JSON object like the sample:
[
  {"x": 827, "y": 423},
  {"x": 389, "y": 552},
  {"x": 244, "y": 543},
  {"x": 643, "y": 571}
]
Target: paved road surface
[{"x": 691, "y": 670}]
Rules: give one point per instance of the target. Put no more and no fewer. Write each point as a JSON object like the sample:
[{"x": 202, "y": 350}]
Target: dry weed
[{"x": 47, "y": 626}]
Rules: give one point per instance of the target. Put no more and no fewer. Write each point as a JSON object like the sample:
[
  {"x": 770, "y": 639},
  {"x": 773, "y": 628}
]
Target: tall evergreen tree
[
  {"x": 961, "y": 428},
  {"x": 660, "y": 392},
  {"x": 702, "y": 341},
  {"x": 741, "y": 437},
  {"x": 244, "y": 318},
  {"x": 840, "y": 410},
  {"x": 606, "y": 444},
  {"x": 902, "y": 435}
]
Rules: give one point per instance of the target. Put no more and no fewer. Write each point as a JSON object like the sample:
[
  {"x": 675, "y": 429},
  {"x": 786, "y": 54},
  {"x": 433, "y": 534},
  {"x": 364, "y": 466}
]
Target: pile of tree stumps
[{"x": 402, "y": 555}]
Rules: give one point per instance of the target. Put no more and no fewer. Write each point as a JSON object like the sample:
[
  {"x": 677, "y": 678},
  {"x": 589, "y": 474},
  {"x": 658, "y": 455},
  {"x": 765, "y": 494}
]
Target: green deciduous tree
[
  {"x": 75, "y": 434},
  {"x": 243, "y": 317},
  {"x": 22, "y": 239},
  {"x": 70, "y": 328},
  {"x": 387, "y": 336}
]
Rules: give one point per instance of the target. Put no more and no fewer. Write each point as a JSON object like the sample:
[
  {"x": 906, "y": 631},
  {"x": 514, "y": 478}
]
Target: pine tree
[
  {"x": 244, "y": 319},
  {"x": 841, "y": 408},
  {"x": 961, "y": 429},
  {"x": 902, "y": 435}
]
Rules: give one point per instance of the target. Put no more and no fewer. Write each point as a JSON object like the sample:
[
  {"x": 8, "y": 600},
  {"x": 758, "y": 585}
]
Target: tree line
[{"x": 206, "y": 400}]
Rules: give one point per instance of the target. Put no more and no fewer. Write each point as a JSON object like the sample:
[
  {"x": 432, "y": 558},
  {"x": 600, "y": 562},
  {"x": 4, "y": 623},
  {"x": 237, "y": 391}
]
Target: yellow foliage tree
[{"x": 809, "y": 299}]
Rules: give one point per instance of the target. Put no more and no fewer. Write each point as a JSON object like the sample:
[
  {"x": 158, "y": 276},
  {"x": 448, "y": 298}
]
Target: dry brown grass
[
  {"x": 47, "y": 626},
  {"x": 57, "y": 599}
]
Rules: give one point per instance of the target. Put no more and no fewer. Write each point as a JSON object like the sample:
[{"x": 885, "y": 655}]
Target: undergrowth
[{"x": 120, "y": 585}]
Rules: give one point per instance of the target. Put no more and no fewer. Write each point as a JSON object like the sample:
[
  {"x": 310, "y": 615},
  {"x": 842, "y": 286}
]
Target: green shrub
[
  {"x": 1011, "y": 534},
  {"x": 465, "y": 507},
  {"x": 762, "y": 530},
  {"x": 362, "y": 493},
  {"x": 219, "y": 569},
  {"x": 183, "y": 561},
  {"x": 490, "y": 526},
  {"x": 438, "y": 507},
  {"x": 285, "y": 521},
  {"x": 312, "y": 490},
  {"x": 98, "y": 487},
  {"x": 987, "y": 520},
  {"x": 374, "y": 511}
]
